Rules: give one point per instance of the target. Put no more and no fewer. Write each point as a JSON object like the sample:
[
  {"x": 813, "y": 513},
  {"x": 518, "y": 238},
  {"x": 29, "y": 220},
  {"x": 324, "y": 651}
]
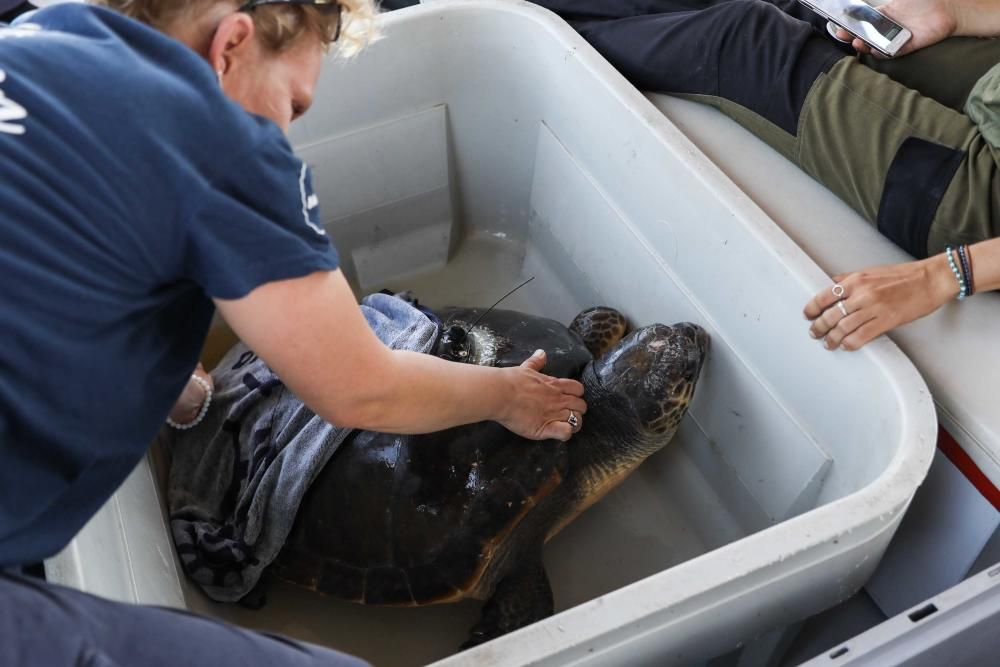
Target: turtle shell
[{"x": 410, "y": 520}]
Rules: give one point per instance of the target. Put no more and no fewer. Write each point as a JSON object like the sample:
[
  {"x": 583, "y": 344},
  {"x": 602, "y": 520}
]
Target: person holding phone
[
  {"x": 884, "y": 35},
  {"x": 911, "y": 143},
  {"x": 932, "y": 21},
  {"x": 886, "y": 297}
]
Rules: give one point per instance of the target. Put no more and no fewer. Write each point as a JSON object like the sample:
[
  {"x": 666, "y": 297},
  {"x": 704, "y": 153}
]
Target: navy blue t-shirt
[{"x": 132, "y": 192}]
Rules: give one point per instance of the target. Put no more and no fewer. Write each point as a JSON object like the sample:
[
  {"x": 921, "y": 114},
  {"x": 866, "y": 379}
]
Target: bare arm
[
  {"x": 311, "y": 332},
  {"x": 985, "y": 259},
  {"x": 976, "y": 18},
  {"x": 882, "y": 298}
]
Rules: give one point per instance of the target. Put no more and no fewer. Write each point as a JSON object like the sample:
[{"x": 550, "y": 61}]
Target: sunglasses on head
[{"x": 326, "y": 6}]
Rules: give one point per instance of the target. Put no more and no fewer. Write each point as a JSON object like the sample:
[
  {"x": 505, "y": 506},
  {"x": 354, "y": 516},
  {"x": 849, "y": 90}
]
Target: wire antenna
[{"x": 490, "y": 309}]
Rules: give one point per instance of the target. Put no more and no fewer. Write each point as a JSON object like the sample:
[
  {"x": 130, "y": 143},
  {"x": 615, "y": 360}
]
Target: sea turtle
[{"x": 425, "y": 519}]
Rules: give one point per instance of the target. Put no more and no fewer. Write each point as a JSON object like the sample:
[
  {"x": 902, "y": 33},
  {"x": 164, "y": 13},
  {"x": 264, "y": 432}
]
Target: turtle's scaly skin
[
  {"x": 600, "y": 328},
  {"x": 412, "y": 520}
]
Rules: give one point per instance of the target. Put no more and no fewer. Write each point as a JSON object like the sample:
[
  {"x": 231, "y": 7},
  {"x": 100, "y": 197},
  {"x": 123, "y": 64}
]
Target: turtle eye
[{"x": 456, "y": 344}]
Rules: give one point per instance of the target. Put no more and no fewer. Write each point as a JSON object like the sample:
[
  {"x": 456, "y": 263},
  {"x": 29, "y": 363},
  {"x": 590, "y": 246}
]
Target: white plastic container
[{"x": 482, "y": 142}]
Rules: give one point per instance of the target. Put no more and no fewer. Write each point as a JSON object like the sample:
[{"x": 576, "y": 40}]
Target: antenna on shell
[{"x": 490, "y": 309}]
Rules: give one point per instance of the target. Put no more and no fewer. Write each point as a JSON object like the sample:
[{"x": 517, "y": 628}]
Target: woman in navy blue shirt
[{"x": 137, "y": 195}]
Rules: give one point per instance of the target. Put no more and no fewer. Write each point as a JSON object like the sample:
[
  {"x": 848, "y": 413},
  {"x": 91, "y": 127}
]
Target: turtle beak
[
  {"x": 697, "y": 342},
  {"x": 654, "y": 369}
]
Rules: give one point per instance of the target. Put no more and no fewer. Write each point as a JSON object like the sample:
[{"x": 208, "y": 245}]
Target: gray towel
[{"x": 237, "y": 479}]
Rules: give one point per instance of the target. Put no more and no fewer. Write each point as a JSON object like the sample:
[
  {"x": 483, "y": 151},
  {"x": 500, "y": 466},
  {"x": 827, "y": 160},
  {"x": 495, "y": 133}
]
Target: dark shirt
[{"x": 132, "y": 192}]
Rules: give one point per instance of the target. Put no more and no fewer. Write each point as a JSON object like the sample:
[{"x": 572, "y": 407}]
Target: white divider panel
[{"x": 386, "y": 196}]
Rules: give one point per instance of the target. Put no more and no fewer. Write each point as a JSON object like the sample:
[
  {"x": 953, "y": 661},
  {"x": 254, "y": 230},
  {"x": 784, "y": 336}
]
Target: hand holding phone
[{"x": 863, "y": 21}]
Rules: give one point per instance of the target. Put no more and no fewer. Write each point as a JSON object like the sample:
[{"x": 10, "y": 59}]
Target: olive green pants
[{"x": 890, "y": 139}]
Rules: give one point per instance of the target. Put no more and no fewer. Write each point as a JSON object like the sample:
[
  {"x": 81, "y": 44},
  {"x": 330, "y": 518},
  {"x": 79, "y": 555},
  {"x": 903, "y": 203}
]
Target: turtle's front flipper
[
  {"x": 600, "y": 329},
  {"x": 521, "y": 598}
]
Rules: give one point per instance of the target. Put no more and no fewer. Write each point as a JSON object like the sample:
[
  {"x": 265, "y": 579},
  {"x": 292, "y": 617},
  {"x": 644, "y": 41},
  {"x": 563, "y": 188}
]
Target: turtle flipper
[
  {"x": 256, "y": 598},
  {"x": 521, "y": 598},
  {"x": 600, "y": 329}
]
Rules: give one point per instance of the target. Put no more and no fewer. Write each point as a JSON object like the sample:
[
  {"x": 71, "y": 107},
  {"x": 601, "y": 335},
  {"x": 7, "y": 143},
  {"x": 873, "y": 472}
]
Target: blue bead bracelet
[{"x": 966, "y": 263}]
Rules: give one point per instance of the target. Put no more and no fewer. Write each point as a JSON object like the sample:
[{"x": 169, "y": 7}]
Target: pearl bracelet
[{"x": 201, "y": 413}]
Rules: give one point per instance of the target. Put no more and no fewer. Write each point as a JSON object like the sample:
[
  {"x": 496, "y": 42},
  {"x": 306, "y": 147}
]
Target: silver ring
[
  {"x": 573, "y": 420},
  {"x": 838, "y": 290},
  {"x": 840, "y": 304}
]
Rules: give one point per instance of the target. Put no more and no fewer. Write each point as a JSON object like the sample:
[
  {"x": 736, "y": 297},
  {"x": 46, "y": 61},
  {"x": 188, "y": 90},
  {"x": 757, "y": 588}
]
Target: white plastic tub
[{"x": 483, "y": 142}]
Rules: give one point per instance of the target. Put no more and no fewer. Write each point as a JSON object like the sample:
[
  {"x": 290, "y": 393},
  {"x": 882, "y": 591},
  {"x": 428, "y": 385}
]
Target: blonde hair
[{"x": 278, "y": 25}]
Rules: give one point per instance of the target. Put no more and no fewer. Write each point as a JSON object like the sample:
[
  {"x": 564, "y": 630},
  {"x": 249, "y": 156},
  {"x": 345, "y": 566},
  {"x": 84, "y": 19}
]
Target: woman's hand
[
  {"x": 880, "y": 299},
  {"x": 189, "y": 403},
  {"x": 542, "y": 406},
  {"x": 930, "y": 21}
]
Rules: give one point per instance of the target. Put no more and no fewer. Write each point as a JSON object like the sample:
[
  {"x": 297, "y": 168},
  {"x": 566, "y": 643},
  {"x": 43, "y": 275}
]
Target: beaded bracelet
[
  {"x": 958, "y": 274},
  {"x": 966, "y": 259},
  {"x": 201, "y": 413}
]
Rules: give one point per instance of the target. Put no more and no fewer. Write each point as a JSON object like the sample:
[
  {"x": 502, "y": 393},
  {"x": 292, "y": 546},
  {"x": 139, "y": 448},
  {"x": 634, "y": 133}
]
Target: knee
[
  {"x": 768, "y": 60},
  {"x": 757, "y": 38}
]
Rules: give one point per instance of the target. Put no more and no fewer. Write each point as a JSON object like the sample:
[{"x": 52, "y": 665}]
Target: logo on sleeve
[
  {"x": 310, "y": 202},
  {"x": 10, "y": 111}
]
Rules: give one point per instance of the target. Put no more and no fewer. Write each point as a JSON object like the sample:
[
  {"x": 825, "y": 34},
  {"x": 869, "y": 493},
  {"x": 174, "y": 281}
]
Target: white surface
[
  {"x": 954, "y": 348},
  {"x": 794, "y": 465}
]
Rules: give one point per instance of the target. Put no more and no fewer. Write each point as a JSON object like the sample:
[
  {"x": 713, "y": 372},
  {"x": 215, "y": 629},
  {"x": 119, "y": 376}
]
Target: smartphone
[{"x": 863, "y": 21}]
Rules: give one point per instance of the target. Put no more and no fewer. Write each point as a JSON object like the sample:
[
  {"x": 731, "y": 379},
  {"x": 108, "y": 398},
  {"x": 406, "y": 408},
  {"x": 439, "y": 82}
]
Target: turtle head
[{"x": 650, "y": 376}]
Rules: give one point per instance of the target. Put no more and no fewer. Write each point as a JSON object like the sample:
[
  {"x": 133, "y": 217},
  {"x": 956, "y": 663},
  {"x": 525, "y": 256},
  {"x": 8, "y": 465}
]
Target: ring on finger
[
  {"x": 573, "y": 420},
  {"x": 838, "y": 290},
  {"x": 843, "y": 308}
]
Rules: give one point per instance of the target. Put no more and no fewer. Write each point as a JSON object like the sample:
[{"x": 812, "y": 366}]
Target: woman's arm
[
  {"x": 882, "y": 298},
  {"x": 311, "y": 332}
]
